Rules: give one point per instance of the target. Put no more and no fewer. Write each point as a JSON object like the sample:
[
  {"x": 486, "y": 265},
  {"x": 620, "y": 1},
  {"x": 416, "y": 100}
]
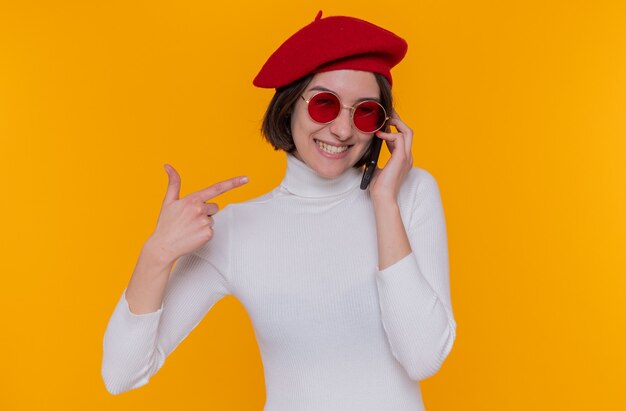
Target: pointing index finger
[{"x": 221, "y": 187}]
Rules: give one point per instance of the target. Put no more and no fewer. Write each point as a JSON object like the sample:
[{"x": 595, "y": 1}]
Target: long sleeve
[
  {"x": 136, "y": 345},
  {"x": 414, "y": 293}
]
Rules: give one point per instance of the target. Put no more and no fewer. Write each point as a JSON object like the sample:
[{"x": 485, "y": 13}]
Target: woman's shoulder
[
  {"x": 258, "y": 201},
  {"x": 419, "y": 180},
  {"x": 241, "y": 212},
  {"x": 420, "y": 187},
  {"x": 253, "y": 205}
]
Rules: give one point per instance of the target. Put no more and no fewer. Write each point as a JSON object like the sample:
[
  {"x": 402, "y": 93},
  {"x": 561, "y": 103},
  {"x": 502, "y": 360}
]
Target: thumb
[{"x": 173, "y": 186}]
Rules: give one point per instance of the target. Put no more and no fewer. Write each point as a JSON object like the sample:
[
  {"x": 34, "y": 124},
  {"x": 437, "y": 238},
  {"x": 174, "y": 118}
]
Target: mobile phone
[{"x": 370, "y": 166}]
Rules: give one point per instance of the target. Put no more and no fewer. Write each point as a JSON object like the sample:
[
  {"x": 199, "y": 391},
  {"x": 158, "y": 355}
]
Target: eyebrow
[{"x": 320, "y": 88}]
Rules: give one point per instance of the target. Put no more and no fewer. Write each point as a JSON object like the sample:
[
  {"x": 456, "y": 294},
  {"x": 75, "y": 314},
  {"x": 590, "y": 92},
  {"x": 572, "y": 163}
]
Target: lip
[
  {"x": 331, "y": 144},
  {"x": 334, "y": 156}
]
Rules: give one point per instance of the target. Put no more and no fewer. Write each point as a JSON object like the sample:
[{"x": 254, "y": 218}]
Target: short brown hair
[{"x": 276, "y": 127}]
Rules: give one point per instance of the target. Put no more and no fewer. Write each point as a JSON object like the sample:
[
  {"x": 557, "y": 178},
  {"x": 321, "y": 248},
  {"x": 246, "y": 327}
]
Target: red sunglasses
[{"x": 368, "y": 116}]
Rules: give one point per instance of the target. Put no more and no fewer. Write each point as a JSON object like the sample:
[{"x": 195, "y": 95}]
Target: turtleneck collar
[{"x": 302, "y": 181}]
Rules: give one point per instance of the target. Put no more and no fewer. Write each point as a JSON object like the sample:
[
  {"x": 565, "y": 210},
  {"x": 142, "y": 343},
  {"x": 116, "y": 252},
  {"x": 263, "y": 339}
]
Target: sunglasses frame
[{"x": 352, "y": 110}]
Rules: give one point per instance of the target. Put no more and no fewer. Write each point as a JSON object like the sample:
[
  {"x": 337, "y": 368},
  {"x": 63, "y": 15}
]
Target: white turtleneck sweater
[{"x": 334, "y": 331}]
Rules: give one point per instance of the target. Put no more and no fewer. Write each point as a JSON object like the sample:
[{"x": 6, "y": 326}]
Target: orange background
[{"x": 518, "y": 110}]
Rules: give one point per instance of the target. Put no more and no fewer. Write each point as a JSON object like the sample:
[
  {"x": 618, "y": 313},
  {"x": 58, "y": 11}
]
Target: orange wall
[{"x": 518, "y": 109}]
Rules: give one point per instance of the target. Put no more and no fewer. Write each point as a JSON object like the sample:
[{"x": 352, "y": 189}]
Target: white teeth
[{"x": 331, "y": 149}]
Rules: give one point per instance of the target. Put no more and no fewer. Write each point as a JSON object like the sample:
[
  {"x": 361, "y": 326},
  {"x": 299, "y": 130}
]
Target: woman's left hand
[{"x": 386, "y": 182}]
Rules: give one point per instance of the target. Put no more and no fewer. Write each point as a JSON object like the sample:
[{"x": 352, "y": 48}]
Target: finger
[
  {"x": 220, "y": 188},
  {"x": 211, "y": 208},
  {"x": 392, "y": 139},
  {"x": 173, "y": 185},
  {"x": 387, "y": 136},
  {"x": 400, "y": 125},
  {"x": 404, "y": 129},
  {"x": 211, "y": 221}
]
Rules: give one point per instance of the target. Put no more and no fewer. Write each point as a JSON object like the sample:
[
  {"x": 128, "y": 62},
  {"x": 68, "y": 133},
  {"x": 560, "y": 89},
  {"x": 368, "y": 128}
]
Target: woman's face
[{"x": 348, "y": 144}]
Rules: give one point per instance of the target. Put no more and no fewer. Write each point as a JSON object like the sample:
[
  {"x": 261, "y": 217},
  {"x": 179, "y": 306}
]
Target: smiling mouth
[{"x": 331, "y": 149}]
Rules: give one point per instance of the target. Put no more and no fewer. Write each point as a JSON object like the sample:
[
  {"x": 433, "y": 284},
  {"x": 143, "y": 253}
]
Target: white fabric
[{"x": 334, "y": 332}]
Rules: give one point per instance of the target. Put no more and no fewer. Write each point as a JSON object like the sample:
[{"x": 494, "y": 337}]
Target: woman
[{"x": 347, "y": 288}]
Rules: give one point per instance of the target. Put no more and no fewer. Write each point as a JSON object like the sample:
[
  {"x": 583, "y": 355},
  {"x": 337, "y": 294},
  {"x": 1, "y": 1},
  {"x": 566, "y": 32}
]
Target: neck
[{"x": 303, "y": 181}]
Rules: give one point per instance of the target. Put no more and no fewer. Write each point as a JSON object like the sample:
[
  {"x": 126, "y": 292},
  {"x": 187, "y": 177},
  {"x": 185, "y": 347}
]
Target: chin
[
  {"x": 331, "y": 165},
  {"x": 334, "y": 169}
]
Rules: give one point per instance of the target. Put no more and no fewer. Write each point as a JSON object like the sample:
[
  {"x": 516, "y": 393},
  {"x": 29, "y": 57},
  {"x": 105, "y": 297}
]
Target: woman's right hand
[{"x": 186, "y": 224}]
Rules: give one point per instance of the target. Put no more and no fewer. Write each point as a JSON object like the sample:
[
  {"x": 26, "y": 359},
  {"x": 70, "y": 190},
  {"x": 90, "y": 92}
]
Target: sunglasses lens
[
  {"x": 324, "y": 107},
  {"x": 369, "y": 116}
]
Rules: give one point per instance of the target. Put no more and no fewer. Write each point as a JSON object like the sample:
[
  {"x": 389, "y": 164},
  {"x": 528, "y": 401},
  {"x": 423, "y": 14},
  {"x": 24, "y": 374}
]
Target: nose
[{"x": 341, "y": 127}]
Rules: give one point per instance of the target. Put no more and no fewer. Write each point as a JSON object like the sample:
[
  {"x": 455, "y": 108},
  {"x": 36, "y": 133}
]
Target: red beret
[{"x": 332, "y": 43}]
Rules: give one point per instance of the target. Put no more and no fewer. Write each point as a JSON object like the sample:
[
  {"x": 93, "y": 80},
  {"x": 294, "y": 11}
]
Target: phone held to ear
[{"x": 370, "y": 166}]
